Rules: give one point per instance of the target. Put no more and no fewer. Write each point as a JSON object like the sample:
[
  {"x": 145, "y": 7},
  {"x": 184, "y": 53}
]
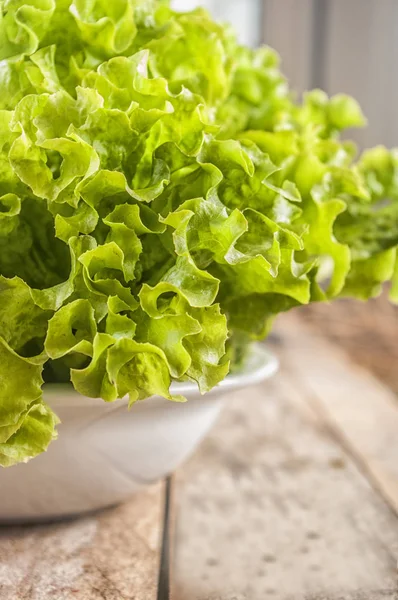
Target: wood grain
[
  {"x": 288, "y": 28},
  {"x": 366, "y": 331},
  {"x": 359, "y": 409},
  {"x": 289, "y": 498},
  {"x": 361, "y": 64},
  {"x": 110, "y": 556},
  {"x": 272, "y": 507}
]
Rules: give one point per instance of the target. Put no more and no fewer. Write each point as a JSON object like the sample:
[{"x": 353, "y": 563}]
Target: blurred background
[{"x": 346, "y": 46}]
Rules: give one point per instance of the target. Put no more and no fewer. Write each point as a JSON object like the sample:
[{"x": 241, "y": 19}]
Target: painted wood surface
[
  {"x": 113, "y": 555},
  {"x": 279, "y": 502},
  {"x": 288, "y": 27},
  {"x": 359, "y": 410},
  {"x": 293, "y": 496}
]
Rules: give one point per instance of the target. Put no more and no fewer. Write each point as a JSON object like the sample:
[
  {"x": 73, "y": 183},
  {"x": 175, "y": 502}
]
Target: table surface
[{"x": 293, "y": 496}]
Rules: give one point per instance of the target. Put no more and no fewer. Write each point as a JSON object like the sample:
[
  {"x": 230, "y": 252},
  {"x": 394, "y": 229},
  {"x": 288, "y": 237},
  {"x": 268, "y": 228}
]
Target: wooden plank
[
  {"x": 354, "y": 49},
  {"x": 271, "y": 507},
  {"x": 380, "y": 98},
  {"x": 288, "y": 29},
  {"x": 348, "y": 56},
  {"x": 360, "y": 410},
  {"x": 113, "y": 555},
  {"x": 390, "y": 131},
  {"x": 362, "y": 52}
]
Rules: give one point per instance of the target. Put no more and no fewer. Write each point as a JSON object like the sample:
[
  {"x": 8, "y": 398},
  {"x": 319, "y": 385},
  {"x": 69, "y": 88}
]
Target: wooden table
[{"x": 293, "y": 496}]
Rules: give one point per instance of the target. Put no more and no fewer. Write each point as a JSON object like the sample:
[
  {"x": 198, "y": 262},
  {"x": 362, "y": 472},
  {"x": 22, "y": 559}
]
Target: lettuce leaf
[{"x": 163, "y": 198}]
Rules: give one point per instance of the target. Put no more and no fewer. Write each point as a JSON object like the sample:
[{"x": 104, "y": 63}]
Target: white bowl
[{"x": 104, "y": 452}]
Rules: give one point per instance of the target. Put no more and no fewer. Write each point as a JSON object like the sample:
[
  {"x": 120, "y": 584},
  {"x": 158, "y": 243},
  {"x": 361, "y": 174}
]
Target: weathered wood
[
  {"x": 373, "y": 595},
  {"x": 359, "y": 409},
  {"x": 272, "y": 507},
  {"x": 288, "y": 27},
  {"x": 366, "y": 331},
  {"x": 110, "y": 556}
]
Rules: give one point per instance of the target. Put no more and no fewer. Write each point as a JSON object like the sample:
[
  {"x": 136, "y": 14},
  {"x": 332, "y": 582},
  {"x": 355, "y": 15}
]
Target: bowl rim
[{"x": 261, "y": 364}]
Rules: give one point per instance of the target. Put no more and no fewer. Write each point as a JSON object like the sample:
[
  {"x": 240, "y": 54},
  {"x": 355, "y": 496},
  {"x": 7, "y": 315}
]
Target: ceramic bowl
[{"x": 104, "y": 452}]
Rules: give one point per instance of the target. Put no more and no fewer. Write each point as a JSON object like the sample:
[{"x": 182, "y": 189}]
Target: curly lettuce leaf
[
  {"x": 27, "y": 425},
  {"x": 163, "y": 198}
]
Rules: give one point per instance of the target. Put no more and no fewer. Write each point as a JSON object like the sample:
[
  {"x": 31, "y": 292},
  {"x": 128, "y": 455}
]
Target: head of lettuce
[{"x": 162, "y": 198}]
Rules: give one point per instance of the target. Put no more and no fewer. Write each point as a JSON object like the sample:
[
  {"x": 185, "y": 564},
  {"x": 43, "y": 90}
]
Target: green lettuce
[{"x": 162, "y": 198}]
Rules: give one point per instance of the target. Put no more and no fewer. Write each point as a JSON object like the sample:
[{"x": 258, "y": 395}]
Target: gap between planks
[
  {"x": 271, "y": 508},
  {"x": 358, "y": 409}
]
